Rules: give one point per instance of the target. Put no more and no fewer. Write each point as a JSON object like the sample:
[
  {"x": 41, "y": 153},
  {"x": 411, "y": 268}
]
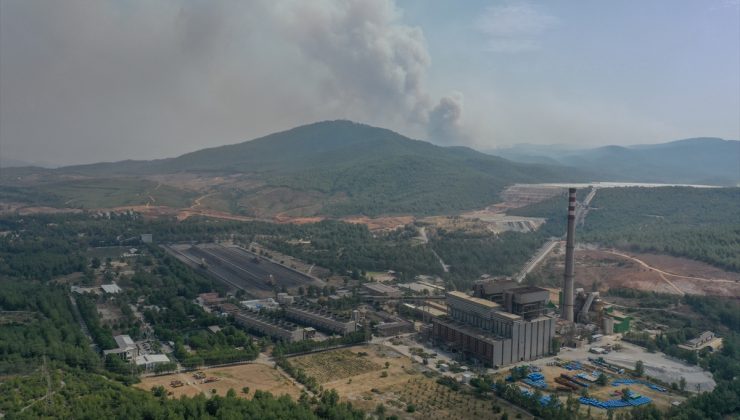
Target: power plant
[
  {"x": 497, "y": 334},
  {"x": 568, "y": 297}
]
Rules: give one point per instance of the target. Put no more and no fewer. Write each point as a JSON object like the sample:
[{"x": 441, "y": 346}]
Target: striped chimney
[{"x": 568, "y": 297}]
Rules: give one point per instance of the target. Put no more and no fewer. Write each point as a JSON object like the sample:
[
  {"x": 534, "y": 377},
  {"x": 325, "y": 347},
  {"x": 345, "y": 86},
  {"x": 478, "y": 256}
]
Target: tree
[
  {"x": 626, "y": 394},
  {"x": 602, "y": 379},
  {"x": 245, "y": 390},
  {"x": 95, "y": 263},
  {"x": 682, "y": 383},
  {"x": 159, "y": 391},
  {"x": 639, "y": 368}
]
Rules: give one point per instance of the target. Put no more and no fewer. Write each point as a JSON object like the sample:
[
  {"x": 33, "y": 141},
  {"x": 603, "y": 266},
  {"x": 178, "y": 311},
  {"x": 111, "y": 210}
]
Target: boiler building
[{"x": 497, "y": 335}]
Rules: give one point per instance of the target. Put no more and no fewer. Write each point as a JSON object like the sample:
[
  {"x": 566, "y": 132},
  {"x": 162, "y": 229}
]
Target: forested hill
[
  {"x": 327, "y": 146},
  {"x": 349, "y": 169},
  {"x": 705, "y": 160},
  {"x": 697, "y": 223}
]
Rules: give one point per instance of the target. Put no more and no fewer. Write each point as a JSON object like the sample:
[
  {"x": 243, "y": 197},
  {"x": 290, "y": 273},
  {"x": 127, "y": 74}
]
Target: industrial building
[
  {"x": 390, "y": 324},
  {"x": 209, "y": 299},
  {"x": 528, "y": 302},
  {"x": 266, "y": 325},
  {"x": 126, "y": 349},
  {"x": 423, "y": 310},
  {"x": 423, "y": 287},
  {"x": 111, "y": 289},
  {"x": 285, "y": 299},
  {"x": 380, "y": 289},
  {"x": 227, "y": 308},
  {"x": 321, "y": 319},
  {"x": 493, "y": 289},
  {"x": 707, "y": 339},
  {"x": 485, "y": 331},
  {"x": 255, "y": 305},
  {"x": 150, "y": 361},
  {"x": 618, "y": 321}
]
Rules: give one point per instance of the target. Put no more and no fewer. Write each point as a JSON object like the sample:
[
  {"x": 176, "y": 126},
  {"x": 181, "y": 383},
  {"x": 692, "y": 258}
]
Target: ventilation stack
[{"x": 568, "y": 297}]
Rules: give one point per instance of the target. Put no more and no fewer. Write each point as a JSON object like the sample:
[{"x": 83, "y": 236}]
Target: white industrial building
[{"x": 149, "y": 361}]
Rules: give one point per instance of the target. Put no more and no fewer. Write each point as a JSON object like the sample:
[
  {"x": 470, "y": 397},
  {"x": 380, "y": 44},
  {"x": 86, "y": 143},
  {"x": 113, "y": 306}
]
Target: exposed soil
[
  {"x": 380, "y": 223},
  {"x": 402, "y": 384},
  {"x": 647, "y": 272},
  {"x": 255, "y": 376},
  {"x": 189, "y": 212},
  {"x": 333, "y": 365}
]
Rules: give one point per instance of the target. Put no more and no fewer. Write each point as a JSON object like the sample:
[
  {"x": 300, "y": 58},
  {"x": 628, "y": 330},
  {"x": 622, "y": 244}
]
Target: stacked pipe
[{"x": 567, "y": 310}]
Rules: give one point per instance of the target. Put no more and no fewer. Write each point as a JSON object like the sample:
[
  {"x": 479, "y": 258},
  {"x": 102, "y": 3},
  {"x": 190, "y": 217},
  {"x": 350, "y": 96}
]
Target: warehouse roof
[
  {"x": 111, "y": 288},
  {"x": 151, "y": 358}
]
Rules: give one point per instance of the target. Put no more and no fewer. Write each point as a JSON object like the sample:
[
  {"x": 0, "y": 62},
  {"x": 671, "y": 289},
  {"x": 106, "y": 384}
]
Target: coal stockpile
[{"x": 241, "y": 269}]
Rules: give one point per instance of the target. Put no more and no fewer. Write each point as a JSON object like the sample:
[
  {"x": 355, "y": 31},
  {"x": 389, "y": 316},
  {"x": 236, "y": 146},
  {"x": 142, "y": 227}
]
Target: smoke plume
[{"x": 141, "y": 79}]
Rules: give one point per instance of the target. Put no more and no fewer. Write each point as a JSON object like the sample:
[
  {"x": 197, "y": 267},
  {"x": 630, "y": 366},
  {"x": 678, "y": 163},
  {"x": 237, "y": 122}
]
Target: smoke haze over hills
[{"x": 84, "y": 82}]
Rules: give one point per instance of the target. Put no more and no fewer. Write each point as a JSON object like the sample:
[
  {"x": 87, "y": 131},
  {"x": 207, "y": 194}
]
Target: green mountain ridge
[{"x": 355, "y": 169}]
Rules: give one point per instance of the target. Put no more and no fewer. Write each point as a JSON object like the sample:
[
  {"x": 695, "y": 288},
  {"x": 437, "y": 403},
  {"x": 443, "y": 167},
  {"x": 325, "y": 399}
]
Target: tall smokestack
[{"x": 567, "y": 310}]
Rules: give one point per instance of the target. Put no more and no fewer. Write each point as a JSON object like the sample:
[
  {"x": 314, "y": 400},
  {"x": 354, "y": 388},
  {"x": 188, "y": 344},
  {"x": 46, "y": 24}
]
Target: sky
[{"x": 109, "y": 80}]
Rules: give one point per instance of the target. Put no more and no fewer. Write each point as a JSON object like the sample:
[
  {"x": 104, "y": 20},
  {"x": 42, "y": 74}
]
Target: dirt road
[{"x": 657, "y": 270}]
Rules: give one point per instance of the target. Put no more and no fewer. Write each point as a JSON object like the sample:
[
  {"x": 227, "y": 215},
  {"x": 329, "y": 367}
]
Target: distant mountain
[
  {"x": 691, "y": 161},
  {"x": 332, "y": 168},
  {"x": 16, "y": 163}
]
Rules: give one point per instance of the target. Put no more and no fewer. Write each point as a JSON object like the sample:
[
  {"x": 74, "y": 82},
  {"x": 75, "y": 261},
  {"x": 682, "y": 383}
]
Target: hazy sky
[{"x": 84, "y": 81}]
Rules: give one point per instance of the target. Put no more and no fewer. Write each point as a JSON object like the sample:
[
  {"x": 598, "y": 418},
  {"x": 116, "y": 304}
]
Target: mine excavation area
[{"x": 241, "y": 269}]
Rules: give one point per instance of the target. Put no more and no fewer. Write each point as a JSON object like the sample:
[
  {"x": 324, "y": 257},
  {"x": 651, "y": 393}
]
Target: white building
[
  {"x": 285, "y": 299},
  {"x": 112, "y": 288},
  {"x": 149, "y": 361}
]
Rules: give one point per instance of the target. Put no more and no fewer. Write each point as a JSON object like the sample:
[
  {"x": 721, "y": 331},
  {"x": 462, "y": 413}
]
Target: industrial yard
[
  {"x": 551, "y": 379},
  {"x": 241, "y": 268}
]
